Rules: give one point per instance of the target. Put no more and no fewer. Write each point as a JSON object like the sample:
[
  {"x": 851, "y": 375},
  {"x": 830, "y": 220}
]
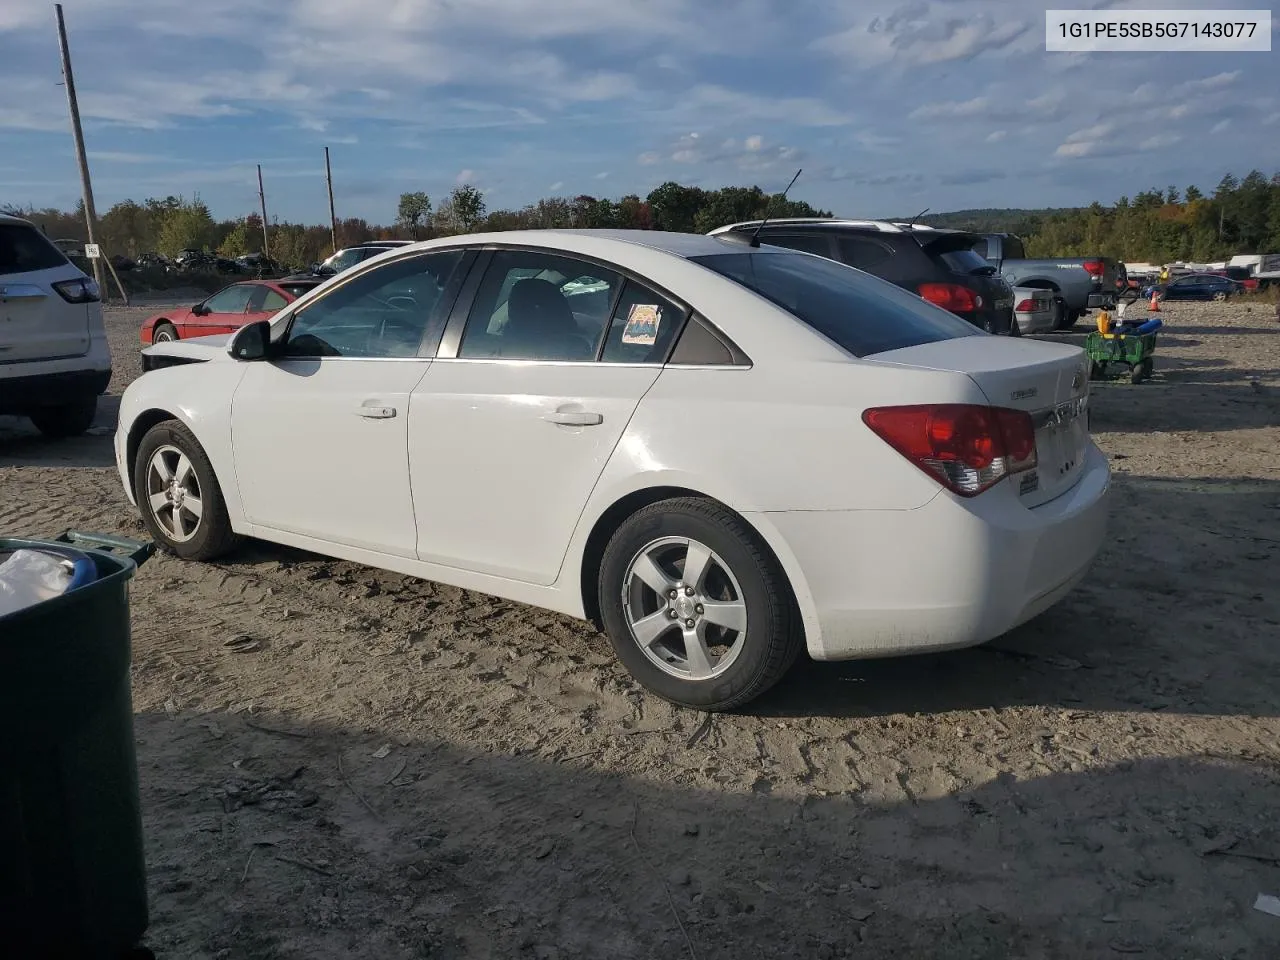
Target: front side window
[
  {"x": 539, "y": 306},
  {"x": 384, "y": 313},
  {"x": 861, "y": 314},
  {"x": 232, "y": 299}
]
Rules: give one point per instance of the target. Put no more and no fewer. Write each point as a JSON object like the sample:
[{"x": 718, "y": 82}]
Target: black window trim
[{"x": 426, "y": 346}]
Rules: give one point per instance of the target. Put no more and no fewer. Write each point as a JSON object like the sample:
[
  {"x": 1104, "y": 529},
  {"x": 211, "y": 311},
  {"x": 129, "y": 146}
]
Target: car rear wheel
[
  {"x": 66, "y": 420},
  {"x": 164, "y": 333},
  {"x": 1064, "y": 319},
  {"x": 178, "y": 494},
  {"x": 1220, "y": 295},
  {"x": 696, "y": 606}
]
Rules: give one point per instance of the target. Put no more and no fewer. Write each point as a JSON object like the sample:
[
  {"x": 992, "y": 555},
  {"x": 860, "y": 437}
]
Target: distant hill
[{"x": 991, "y": 220}]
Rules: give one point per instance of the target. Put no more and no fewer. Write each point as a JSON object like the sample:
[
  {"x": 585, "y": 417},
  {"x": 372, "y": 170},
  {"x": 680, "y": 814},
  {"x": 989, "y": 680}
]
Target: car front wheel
[
  {"x": 178, "y": 494},
  {"x": 696, "y": 606},
  {"x": 66, "y": 420},
  {"x": 164, "y": 333}
]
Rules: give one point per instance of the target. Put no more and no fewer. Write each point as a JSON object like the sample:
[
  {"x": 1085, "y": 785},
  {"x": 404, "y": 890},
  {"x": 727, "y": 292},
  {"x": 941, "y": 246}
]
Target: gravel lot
[{"x": 395, "y": 769}]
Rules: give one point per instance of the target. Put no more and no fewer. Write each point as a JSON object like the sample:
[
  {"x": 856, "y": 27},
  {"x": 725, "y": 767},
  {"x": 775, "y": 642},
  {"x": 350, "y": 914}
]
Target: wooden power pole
[
  {"x": 262, "y": 201},
  {"x": 333, "y": 219},
  {"x": 86, "y": 187}
]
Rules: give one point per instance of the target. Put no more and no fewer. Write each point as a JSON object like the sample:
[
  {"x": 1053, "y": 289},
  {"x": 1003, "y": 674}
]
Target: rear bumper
[
  {"x": 1037, "y": 321},
  {"x": 23, "y": 393},
  {"x": 1102, "y": 300},
  {"x": 953, "y": 573}
]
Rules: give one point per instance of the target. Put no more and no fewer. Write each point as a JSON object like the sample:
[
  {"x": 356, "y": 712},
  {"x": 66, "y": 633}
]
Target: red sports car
[{"x": 227, "y": 310}]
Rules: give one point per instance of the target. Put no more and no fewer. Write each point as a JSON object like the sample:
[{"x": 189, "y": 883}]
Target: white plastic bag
[{"x": 28, "y": 577}]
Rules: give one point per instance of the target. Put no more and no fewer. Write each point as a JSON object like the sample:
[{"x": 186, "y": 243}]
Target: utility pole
[
  {"x": 90, "y": 215},
  {"x": 333, "y": 220},
  {"x": 262, "y": 200}
]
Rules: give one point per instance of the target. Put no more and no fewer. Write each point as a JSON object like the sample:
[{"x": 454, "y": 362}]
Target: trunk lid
[
  {"x": 1050, "y": 381},
  {"x": 36, "y": 323}
]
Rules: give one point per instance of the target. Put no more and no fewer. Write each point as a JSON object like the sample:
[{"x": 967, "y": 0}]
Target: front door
[
  {"x": 319, "y": 431},
  {"x": 511, "y": 429}
]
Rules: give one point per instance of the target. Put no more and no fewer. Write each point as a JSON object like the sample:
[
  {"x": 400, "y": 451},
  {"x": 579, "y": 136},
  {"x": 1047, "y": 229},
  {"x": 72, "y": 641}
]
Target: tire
[
  {"x": 1061, "y": 317},
  {"x": 164, "y": 333},
  {"x": 740, "y": 572},
  {"x": 69, "y": 420},
  {"x": 1219, "y": 296},
  {"x": 211, "y": 536}
]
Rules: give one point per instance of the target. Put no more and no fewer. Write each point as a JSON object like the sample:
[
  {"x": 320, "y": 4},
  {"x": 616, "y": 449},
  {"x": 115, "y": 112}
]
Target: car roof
[
  {"x": 684, "y": 245},
  {"x": 10, "y": 218},
  {"x": 881, "y": 226}
]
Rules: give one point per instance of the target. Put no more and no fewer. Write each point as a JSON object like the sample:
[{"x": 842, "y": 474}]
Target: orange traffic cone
[{"x": 1154, "y": 305}]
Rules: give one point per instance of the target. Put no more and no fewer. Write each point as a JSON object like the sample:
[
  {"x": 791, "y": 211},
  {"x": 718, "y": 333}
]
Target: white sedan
[{"x": 720, "y": 453}]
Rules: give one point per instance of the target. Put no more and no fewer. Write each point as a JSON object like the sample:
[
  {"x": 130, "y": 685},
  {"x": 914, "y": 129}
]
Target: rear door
[
  {"x": 529, "y": 394},
  {"x": 36, "y": 322}
]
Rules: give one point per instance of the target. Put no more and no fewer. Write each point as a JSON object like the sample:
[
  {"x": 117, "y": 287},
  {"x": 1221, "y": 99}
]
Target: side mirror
[
  {"x": 199, "y": 309},
  {"x": 251, "y": 342}
]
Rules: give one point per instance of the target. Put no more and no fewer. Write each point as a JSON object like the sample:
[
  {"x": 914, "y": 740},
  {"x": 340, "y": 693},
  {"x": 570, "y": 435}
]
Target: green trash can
[{"x": 72, "y": 873}]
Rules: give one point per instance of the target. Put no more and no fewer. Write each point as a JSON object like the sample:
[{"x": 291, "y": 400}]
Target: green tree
[
  {"x": 414, "y": 212},
  {"x": 1192, "y": 194},
  {"x": 467, "y": 206},
  {"x": 184, "y": 225},
  {"x": 675, "y": 206}
]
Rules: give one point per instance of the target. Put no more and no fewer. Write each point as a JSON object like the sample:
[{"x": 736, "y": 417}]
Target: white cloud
[
  {"x": 995, "y": 136},
  {"x": 602, "y": 175},
  {"x": 556, "y": 187},
  {"x": 925, "y": 32},
  {"x": 465, "y": 176},
  {"x": 1221, "y": 126},
  {"x": 951, "y": 108}
]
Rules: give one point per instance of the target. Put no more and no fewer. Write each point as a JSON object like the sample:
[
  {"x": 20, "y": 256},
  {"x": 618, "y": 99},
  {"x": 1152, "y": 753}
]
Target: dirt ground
[{"x": 389, "y": 768}]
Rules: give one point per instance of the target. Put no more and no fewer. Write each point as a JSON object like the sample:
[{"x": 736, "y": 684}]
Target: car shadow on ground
[
  {"x": 22, "y": 445},
  {"x": 267, "y": 836}
]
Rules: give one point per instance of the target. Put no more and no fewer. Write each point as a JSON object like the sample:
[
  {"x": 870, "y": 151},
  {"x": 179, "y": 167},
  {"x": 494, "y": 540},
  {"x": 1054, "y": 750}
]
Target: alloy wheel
[
  {"x": 173, "y": 493},
  {"x": 684, "y": 608}
]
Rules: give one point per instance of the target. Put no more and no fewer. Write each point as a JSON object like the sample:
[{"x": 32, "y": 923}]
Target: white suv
[{"x": 54, "y": 360}]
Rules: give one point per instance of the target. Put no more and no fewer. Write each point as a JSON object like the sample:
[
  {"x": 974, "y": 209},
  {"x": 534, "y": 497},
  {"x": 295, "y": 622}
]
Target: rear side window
[
  {"x": 864, "y": 253},
  {"x": 1013, "y": 249},
  {"x": 980, "y": 248},
  {"x": 23, "y": 249},
  {"x": 861, "y": 314},
  {"x": 809, "y": 243}
]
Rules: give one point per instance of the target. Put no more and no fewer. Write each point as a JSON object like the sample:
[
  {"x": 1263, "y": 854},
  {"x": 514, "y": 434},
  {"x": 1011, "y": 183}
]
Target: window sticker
[{"x": 641, "y": 328}]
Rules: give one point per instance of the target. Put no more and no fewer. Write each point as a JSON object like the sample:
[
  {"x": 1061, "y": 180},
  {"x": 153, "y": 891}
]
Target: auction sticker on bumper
[{"x": 1138, "y": 31}]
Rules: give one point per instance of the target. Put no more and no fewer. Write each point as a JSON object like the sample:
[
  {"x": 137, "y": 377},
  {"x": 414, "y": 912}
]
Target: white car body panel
[{"x": 468, "y": 485}]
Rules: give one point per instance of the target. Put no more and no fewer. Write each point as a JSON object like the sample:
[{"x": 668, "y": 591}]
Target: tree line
[
  {"x": 1239, "y": 216},
  {"x": 173, "y": 224},
  {"x": 1160, "y": 226}
]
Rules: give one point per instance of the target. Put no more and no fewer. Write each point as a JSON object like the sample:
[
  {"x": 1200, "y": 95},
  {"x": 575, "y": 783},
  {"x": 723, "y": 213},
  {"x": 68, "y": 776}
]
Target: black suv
[{"x": 939, "y": 265}]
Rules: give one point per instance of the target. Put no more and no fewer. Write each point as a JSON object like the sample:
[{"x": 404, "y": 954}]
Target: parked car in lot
[
  {"x": 1033, "y": 310},
  {"x": 226, "y": 311},
  {"x": 1078, "y": 284},
  {"x": 936, "y": 264},
  {"x": 1195, "y": 286},
  {"x": 349, "y": 256},
  {"x": 748, "y": 453},
  {"x": 54, "y": 360}
]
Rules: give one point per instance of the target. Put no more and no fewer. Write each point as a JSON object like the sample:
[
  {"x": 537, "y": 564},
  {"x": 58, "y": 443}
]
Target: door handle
[
  {"x": 372, "y": 412},
  {"x": 574, "y": 418}
]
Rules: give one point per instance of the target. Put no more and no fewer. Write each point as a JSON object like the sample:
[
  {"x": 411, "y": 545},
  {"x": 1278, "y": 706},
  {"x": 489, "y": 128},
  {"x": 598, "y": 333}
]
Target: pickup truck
[{"x": 1078, "y": 283}]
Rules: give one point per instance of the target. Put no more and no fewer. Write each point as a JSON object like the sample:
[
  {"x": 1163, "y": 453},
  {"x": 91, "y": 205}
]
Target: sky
[{"x": 889, "y": 106}]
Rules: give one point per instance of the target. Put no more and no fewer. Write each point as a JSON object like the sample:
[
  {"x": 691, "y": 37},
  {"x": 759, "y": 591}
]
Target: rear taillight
[
  {"x": 966, "y": 447},
  {"x": 1026, "y": 306},
  {"x": 80, "y": 290},
  {"x": 1095, "y": 268},
  {"x": 951, "y": 296}
]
